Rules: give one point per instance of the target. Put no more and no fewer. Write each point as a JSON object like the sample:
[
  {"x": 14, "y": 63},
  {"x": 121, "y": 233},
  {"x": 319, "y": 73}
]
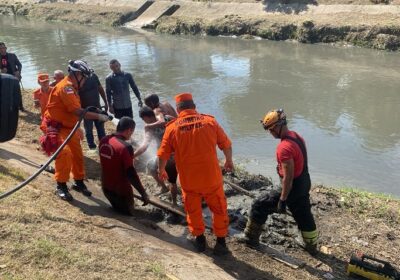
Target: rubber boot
[
  {"x": 200, "y": 243},
  {"x": 220, "y": 248},
  {"x": 310, "y": 239},
  {"x": 251, "y": 234},
  {"x": 80, "y": 186},
  {"x": 62, "y": 192}
]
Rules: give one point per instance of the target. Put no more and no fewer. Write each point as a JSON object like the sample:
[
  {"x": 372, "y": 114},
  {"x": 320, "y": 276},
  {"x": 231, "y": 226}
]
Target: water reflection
[{"x": 344, "y": 101}]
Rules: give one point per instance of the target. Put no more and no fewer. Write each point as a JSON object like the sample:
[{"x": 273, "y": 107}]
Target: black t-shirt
[
  {"x": 4, "y": 64},
  {"x": 89, "y": 93}
]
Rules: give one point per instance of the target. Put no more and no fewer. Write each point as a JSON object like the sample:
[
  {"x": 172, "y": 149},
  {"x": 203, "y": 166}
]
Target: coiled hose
[{"x": 44, "y": 166}]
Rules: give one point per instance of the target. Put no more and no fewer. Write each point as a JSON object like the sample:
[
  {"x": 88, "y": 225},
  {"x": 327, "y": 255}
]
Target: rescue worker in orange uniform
[
  {"x": 62, "y": 112},
  {"x": 193, "y": 138},
  {"x": 41, "y": 95}
]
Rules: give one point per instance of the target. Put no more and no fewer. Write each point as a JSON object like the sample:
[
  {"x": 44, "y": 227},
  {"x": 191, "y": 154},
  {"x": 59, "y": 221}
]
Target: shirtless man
[
  {"x": 156, "y": 134},
  {"x": 164, "y": 111}
]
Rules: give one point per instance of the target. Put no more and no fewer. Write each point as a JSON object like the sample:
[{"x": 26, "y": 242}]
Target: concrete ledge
[{"x": 154, "y": 12}]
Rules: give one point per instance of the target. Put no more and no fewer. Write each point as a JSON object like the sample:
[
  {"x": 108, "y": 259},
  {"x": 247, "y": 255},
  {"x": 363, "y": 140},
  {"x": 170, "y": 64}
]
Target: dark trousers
[
  {"x": 127, "y": 112},
  {"x": 298, "y": 203},
  {"x": 88, "y": 124},
  {"x": 122, "y": 204}
]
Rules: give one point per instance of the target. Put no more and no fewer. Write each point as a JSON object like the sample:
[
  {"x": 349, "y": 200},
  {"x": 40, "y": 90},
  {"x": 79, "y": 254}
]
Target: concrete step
[{"x": 152, "y": 13}]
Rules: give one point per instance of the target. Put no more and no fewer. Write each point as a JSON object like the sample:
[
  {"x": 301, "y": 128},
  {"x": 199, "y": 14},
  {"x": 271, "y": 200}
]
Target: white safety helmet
[{"x": 80, "y": 66}]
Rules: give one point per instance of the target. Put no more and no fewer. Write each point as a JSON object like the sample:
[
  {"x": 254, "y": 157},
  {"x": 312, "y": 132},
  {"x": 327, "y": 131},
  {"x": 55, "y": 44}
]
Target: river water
[{"x": 344, "y": 101}]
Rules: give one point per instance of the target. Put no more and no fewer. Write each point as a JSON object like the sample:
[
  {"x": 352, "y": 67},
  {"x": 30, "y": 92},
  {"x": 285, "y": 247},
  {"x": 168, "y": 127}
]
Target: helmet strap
[
  {"x": 280, "y": 131},
  {"x": 78, "y": 80}
]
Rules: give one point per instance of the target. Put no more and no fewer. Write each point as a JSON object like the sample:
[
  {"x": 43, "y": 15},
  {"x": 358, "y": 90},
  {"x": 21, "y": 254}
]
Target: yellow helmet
[{"x": 274, "y": 118}]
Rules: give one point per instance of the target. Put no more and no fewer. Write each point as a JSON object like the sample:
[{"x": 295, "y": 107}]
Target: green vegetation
[{"x": 368, "y": 204}]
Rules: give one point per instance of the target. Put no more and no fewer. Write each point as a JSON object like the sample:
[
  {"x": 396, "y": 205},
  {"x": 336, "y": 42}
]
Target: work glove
[
  {"x": 281, "y": 206},
  {"x": 145, "y": 199},
  {"x": 140, "y": 103}
]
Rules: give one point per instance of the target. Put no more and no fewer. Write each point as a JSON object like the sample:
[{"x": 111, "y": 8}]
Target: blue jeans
[{"x": 88, "y": 124}]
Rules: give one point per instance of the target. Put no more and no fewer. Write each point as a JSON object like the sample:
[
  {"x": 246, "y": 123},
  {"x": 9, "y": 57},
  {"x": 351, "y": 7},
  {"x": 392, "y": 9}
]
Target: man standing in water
[
  {"x": 292, "y": 168},
  {"x": 193, "y": 138},
  {"x": 164, "y": 112},
  {"x": 117, "y": 89},
  {"x": 156, "y": 134}
]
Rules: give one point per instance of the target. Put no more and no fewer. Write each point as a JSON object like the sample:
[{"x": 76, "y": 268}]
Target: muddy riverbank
[
  {"x": 348, "y": 221},
  {"x": 344, "y": 22},
  {"x": 301, "y": 29},
  {"x": 67, "y": 12}
]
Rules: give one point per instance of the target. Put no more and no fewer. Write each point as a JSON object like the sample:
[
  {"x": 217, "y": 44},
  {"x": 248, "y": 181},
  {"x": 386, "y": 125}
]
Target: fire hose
[{"x": 54, "y": 156}]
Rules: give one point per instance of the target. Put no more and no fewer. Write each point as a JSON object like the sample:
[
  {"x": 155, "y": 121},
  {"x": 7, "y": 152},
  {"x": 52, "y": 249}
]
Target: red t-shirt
[
  {"x": 288, "y": 149},
  {"x": 116, "y": 156}
]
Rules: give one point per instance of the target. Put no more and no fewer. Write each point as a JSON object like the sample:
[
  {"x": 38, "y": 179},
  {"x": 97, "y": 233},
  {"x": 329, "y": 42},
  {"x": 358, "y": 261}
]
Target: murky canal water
[{"x": 344, "y": 101}]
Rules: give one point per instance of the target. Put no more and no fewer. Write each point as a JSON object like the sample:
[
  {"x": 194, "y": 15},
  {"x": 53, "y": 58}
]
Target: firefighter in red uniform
[
  {"x": 118, "y": 173},
  {"x": 292, "y": 168}
]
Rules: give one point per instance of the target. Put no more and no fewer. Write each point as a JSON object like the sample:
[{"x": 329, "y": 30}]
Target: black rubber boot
[
  {"x": 200, "y": 243},
  {"x": 80, "y": 186},
  {"x": 62, "y": 192},
  {"x": 251, "y": 234},
  {"x": 220, "y": 248},
  {"x": 310, "y": 239},
  {"x": 312, "y": 249}
]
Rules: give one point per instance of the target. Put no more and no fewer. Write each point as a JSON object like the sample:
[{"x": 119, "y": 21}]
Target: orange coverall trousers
[
  {"x": 216, "y": 201},
  {"x": 70, "y": 158}
]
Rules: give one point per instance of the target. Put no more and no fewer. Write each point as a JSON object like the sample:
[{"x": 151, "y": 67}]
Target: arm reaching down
[
  {"x": 160, "y": 120},
  {"x": 145, "y": 145},
  {"x": 228, "y": 166},
  {"x": 137, "y": 184},
  {"x": 287, "y": 179}
]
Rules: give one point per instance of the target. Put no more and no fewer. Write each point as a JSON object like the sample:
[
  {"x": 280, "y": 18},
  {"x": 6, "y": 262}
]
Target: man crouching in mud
[
  {"x": 292, "y": 168},
  {"x": 117, "y": 171}
]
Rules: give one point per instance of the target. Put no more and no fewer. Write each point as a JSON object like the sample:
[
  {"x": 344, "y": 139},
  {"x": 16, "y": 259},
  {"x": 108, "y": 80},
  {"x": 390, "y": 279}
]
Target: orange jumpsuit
[
  {"x": 63, "y": 102},
  {"x": 193, "y": 138},
  {"x": 43, "y": 98}
]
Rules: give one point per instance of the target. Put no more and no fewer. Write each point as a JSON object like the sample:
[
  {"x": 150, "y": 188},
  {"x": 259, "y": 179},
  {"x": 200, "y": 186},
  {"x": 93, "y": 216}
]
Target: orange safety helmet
[{"x": 274, "y": 118}]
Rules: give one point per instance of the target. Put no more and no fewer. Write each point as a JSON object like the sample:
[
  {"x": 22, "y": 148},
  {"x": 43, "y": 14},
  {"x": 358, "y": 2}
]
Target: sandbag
[{"x": 10, "y": 98}]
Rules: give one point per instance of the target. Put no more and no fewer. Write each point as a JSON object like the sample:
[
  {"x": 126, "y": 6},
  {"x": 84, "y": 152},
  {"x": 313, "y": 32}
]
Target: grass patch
[
  {"x": 157, "y": 269},
  {"x": 373, "y": 205}
]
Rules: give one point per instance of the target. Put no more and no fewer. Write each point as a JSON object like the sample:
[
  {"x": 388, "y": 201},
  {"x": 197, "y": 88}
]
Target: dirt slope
[{"x": 45, "y": 238}]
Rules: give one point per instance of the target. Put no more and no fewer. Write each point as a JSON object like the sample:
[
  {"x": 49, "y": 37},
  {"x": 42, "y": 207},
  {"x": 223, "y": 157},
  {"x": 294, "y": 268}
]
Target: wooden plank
[
  {"x": 163, "y": 204},
  {"x": 280, "y": 256},
  {"x": 239, "y": 188}
]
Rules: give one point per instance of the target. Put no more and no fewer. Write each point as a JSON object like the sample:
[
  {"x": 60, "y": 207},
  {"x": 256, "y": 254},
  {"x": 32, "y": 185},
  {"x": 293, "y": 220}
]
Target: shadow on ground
[
  {"x": 337, "y": 267},
  {"x": 145, "y": 222}
]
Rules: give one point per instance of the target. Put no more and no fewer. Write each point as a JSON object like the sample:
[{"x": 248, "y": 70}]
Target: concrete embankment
[
  {"x": 373, "y": 26},
  {"x": 366, "y": 25}
]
